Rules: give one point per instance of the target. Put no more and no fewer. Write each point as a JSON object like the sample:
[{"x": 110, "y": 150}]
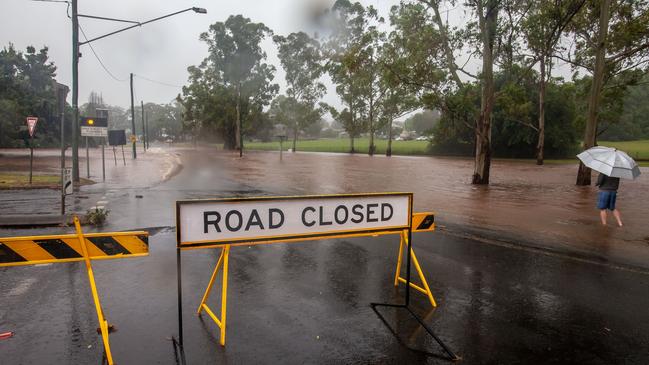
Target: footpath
[{"x": 40, "y": 207}]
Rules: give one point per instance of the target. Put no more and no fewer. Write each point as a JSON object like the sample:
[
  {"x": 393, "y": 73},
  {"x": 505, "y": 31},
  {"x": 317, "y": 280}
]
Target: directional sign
[
  {"x": 87, "y": 131},
  {"x": 66, "y": 181},
  {"x": 117, "y": 137},
  {"x": 423, "y": 222},
  {"x": 31, "y": 125},
  {"x": 205, "y": 222}
]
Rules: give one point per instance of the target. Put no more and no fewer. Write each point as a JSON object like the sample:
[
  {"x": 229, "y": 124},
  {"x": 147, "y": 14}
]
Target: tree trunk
[
  {"x": 237, "y": 136},
  {"x": 294, "y": 138},
  {"x": 541, "y": 139},
  {"x": 351, "y": 139},
  {"x": 388, "y": 151},
  {"x": 488, "y": 20},
  {"x": 583, "y": 174},
  {"x": 371, "y": 148}
]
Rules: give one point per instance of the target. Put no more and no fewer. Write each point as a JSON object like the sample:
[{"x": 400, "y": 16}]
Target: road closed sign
[{"x": 249, "y": 220}]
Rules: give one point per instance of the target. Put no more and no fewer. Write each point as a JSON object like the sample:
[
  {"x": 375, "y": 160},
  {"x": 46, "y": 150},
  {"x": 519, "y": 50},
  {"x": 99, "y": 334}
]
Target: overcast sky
[{"x": 159, "y": 51}]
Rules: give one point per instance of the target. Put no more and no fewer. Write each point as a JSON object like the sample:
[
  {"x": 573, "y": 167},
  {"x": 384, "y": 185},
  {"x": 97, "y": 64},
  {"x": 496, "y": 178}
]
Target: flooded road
[
  {"x": 308, "y": 302},
  {"x": 537, "y": 204}
]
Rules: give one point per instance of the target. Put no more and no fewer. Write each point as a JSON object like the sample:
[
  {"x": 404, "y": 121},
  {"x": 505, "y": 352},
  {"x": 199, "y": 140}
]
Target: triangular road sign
[{"x": 31, "y": 125}]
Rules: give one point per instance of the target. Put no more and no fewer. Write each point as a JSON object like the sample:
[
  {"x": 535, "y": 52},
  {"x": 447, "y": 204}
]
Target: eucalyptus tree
[
  {"x": 301, "y": 58},
  {"x": 400, "y": 96},
  {"x": 611, "y": 40},
  {"x": 347, "y": 61},
  {"x": 543, "y": 27},
  {"x": 233, "y": 81},
  {"x": 435, "y": 49}
]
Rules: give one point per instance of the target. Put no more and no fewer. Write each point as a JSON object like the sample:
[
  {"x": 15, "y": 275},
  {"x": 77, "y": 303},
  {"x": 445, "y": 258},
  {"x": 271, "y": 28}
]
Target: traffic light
[{"x": 94, "y": 122}]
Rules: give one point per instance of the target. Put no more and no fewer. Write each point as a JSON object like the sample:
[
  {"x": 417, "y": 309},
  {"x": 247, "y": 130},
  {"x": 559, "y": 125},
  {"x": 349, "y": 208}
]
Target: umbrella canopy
[{"x": 610, "y": 161}]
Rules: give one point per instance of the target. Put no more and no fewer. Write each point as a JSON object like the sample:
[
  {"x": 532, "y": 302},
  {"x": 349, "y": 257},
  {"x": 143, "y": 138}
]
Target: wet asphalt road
[{"x": 309, "y": 302}]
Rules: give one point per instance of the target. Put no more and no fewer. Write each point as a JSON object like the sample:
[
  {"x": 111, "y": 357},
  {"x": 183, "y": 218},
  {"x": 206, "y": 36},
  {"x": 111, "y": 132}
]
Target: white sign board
[
  {"x": 205, "y": 222},
  {"x": 94, "y": 131},
  {"x": 66, "y": 180},
  {"x": 31, "y": 125}
]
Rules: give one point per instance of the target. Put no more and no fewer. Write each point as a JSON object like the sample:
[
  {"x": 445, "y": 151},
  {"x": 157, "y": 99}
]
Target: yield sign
[{"x": 31, "y": 125}]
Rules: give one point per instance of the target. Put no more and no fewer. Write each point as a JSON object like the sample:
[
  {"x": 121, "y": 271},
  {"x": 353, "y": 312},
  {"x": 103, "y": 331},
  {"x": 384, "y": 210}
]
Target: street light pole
[
  {"x": 143, "y": 127},
  {"x": 133, "y": 119},
  {"x": 75, "y": 73},
  {"x": 75, "y": 92}
]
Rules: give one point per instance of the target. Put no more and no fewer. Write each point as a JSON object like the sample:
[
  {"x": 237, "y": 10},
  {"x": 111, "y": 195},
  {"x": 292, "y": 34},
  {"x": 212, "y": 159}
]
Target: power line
[
  {"x": 99, "y": 59},
  {"x": 157, "y": 82},
  {"x": 53, "y": 1}
]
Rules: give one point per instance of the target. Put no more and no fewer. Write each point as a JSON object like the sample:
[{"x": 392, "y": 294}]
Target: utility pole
[
  {"x": 143, "y": 128},
  {"x": 75, "y": 92},
  {"x": 133, "y": 119},
  {"x": 61, "y": 94},
  {"x": 146, "y": 131}
]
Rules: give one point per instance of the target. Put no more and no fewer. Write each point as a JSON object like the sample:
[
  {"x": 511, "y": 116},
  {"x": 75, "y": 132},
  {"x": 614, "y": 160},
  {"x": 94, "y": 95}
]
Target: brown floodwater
[{"x": 536, "y": 203}]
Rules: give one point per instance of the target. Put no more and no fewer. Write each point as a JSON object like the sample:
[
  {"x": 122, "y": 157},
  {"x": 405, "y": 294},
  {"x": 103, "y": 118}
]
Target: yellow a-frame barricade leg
[
  {"x": 222, "y": 262},
  {"x": 103, "y": 323},
  {"x": 397, "y": 276}
]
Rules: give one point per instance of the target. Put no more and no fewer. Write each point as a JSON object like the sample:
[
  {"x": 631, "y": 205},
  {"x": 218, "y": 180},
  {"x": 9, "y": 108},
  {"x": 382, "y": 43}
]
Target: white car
[{"x": 422, "y": 138}]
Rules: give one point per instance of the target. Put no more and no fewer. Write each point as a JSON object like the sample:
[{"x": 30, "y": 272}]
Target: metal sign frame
[{"x": 416, "y": 222}]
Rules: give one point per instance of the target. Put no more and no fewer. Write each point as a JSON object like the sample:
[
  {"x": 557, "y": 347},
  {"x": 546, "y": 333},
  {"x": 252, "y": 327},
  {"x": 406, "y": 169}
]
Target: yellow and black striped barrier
[
  {"x": 16, "y": 251},
  {"x": 34, "y": 250}
]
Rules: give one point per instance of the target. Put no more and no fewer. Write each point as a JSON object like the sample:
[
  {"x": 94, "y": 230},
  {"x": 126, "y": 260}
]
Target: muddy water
[{"x": 535, "y": 203}]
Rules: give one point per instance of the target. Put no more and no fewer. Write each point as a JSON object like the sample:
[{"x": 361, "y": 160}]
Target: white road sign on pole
[
  {"x": 94, "y": 131},
  {"x": 66, "y": 180},
  {"x": 208, "y": 222}
]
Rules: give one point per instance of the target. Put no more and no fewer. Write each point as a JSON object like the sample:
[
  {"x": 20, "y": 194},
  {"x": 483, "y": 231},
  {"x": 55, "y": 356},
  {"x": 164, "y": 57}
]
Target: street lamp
[{"x": 75, "y": 72}]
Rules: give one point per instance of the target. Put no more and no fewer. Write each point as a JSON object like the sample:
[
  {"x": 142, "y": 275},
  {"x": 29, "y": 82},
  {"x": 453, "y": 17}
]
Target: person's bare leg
[
  {"x": 616, "y": 214},
  {"x": 602, "y": 216}
]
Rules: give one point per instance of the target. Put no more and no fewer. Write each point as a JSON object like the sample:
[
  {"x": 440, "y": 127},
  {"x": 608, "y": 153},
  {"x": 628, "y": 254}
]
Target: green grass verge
[
  {"x": 21, "y": 181},
  {"x": 8, "y": 181}
]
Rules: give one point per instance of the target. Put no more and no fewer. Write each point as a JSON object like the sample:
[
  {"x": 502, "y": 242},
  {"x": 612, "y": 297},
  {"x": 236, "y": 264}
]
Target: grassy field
[
  {"x": 342, "y": 145},
  {"x": 639, "y": 150}
]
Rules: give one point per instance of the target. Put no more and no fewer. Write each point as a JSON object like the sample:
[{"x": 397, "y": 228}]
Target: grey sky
[{"x": 159, "y": 51}]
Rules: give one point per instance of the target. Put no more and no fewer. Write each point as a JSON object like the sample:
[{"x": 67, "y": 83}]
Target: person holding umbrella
[
  {"x": 606, "y": 197},
  {"x": 612, "y": 165}
]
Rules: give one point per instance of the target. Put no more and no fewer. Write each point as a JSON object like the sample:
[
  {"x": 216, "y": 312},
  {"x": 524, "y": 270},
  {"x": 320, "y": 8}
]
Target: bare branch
[
  {"x": 574, "y": 63},
  {"x": 627, "y": 54},
  {"x": 525, "y": 124}
]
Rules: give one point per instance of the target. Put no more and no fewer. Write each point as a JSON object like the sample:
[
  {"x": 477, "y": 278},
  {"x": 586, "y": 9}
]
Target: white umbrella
[{"x": 610, "y": 161}]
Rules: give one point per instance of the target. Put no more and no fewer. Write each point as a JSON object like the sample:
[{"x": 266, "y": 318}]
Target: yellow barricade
[{"x": 33, "y": 250}]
